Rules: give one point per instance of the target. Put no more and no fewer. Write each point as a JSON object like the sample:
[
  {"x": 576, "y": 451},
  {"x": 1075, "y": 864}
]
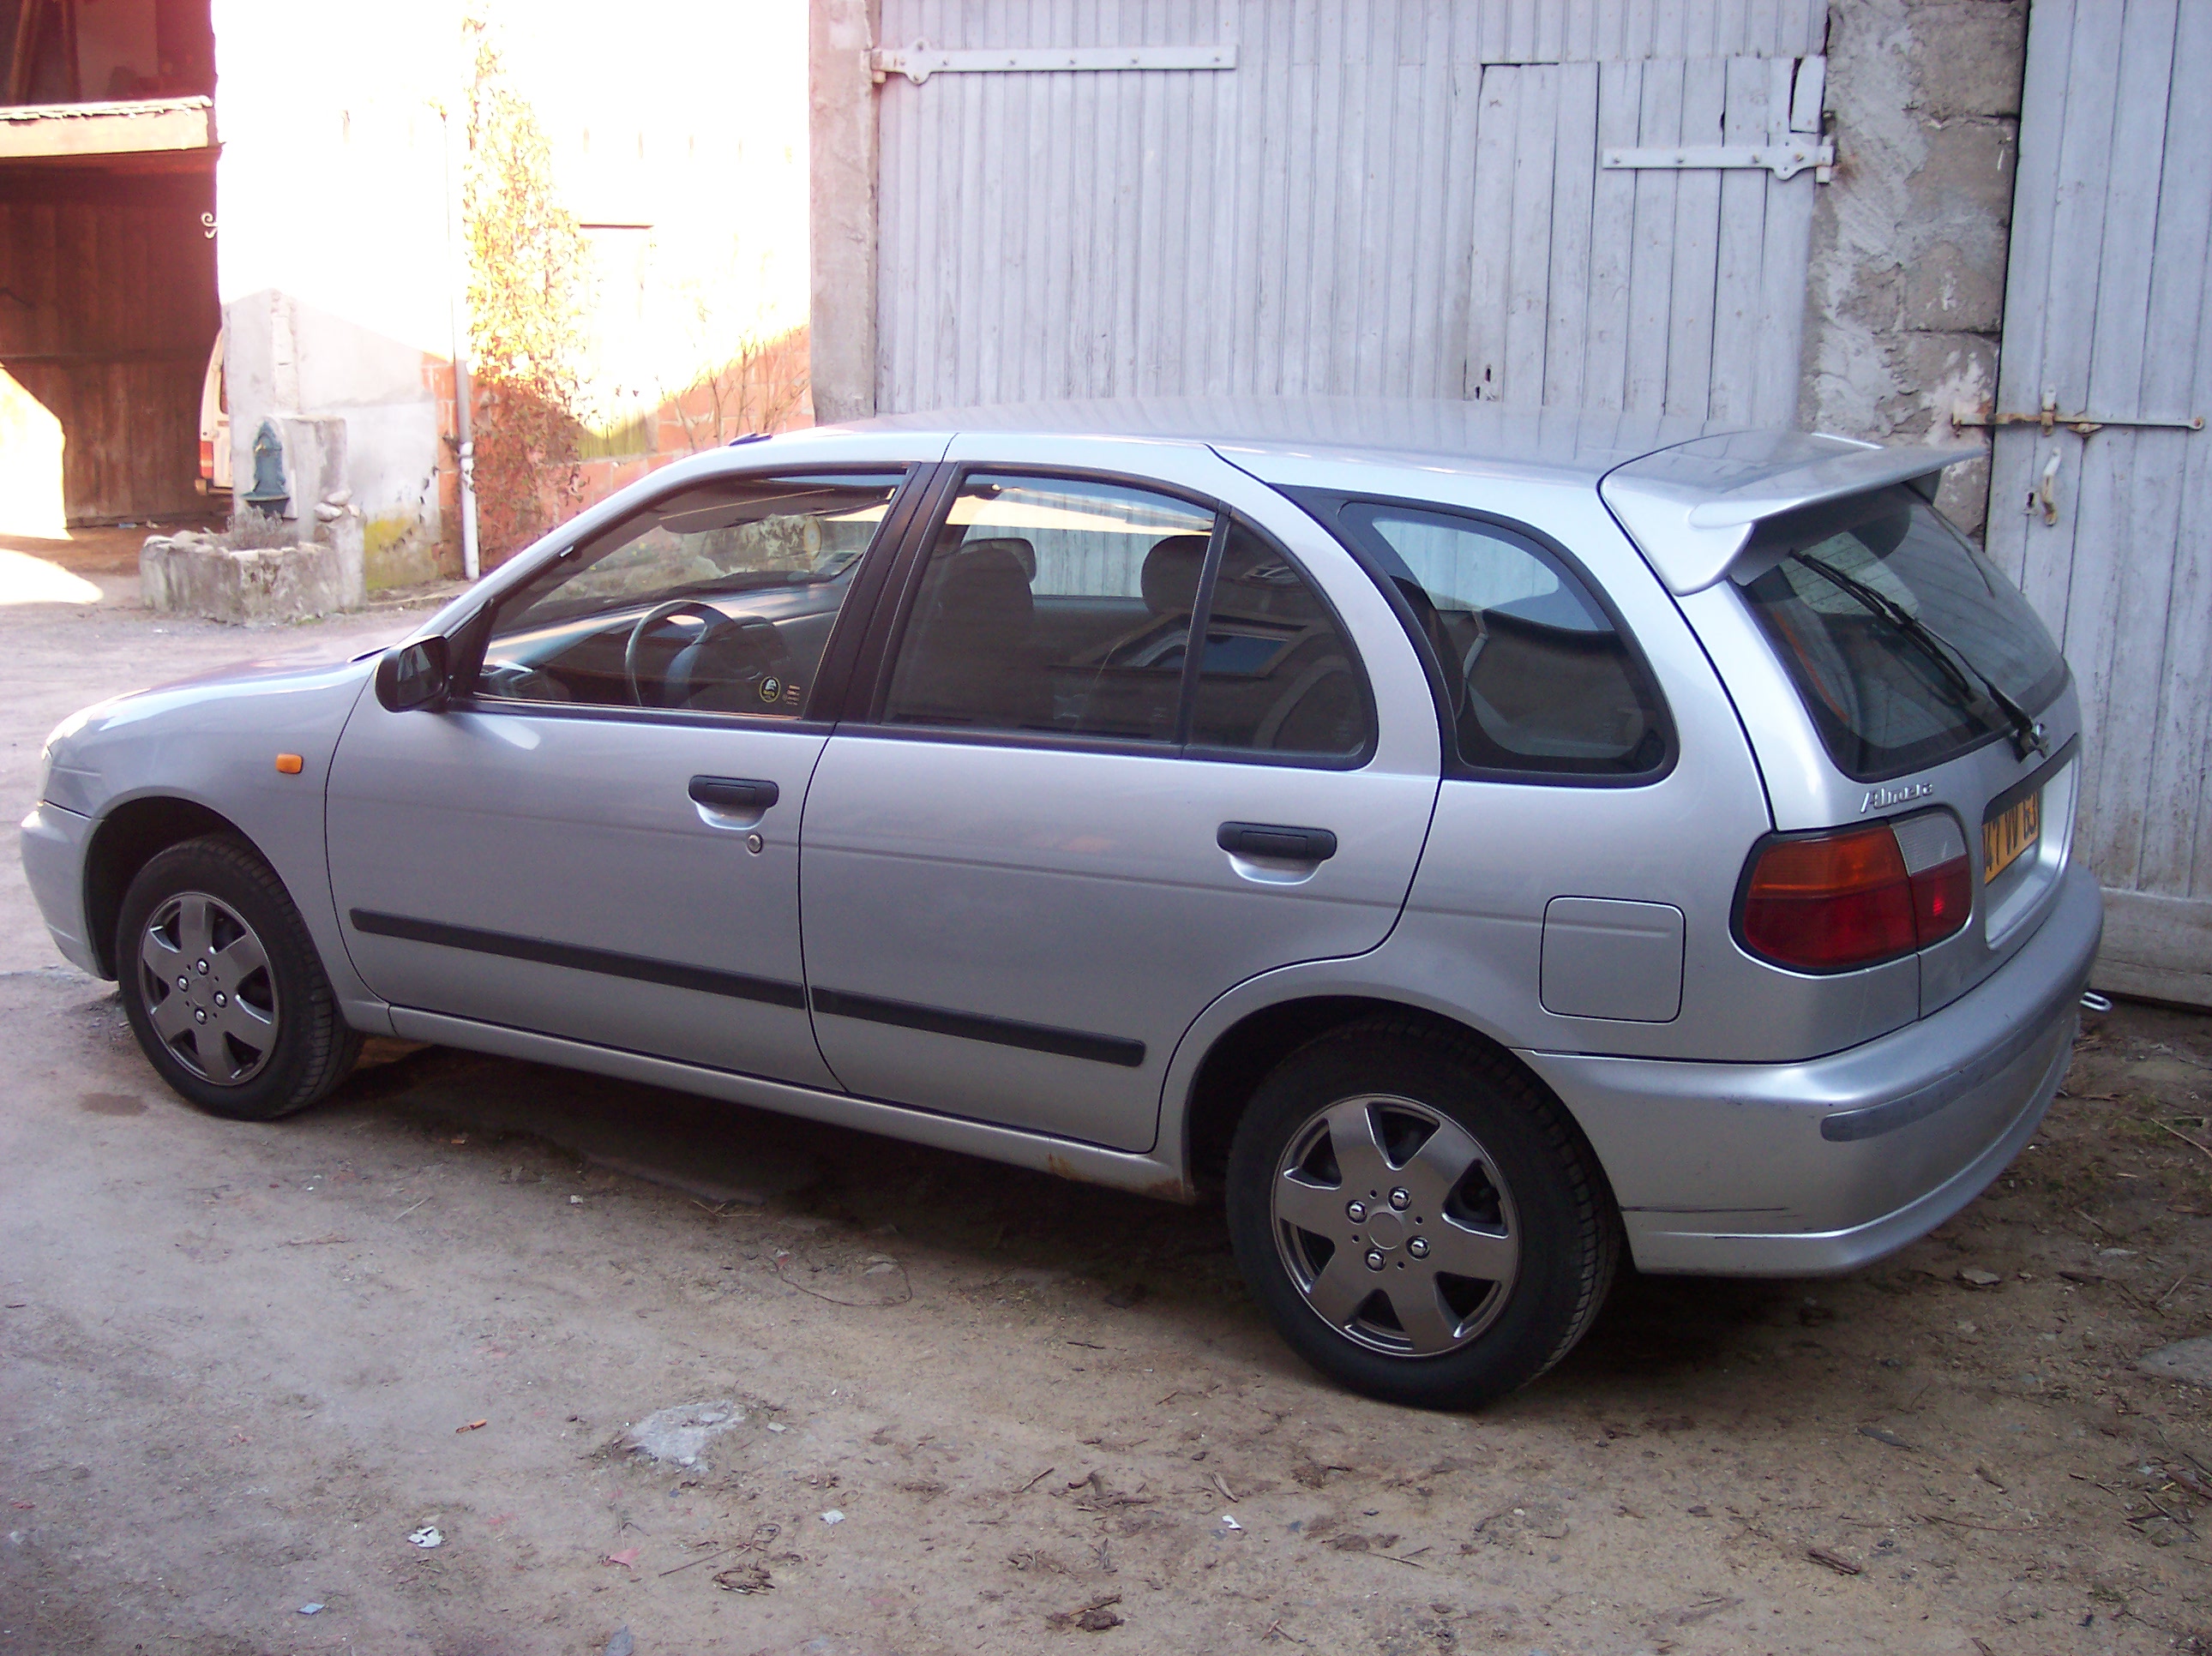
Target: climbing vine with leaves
[{"x": 527, "y": 297}]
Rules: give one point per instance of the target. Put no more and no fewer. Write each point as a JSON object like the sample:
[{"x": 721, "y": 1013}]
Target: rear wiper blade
[{"x": 2028, "y": 735}]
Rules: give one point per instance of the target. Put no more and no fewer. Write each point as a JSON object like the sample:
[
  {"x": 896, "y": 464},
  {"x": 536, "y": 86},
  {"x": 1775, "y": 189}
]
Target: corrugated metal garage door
[
  {"x": 2106, "y": 315},
  {"x": 1393, "y": 198}
]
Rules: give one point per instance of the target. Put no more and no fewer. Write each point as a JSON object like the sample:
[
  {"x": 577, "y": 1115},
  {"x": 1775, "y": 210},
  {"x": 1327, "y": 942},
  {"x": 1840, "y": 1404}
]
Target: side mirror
[{"x": 413, "y": 675}]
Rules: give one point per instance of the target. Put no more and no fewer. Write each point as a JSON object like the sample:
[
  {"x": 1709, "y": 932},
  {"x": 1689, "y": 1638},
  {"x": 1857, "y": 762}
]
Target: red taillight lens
[
  {"x": 207, "y": 458},
  {"x": 1825, "y": 904},
  {"x": 1829, "y": 902}
]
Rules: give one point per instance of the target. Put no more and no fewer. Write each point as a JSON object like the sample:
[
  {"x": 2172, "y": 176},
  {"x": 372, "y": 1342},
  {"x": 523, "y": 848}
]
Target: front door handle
[
  {"x": 734, "y": 793},
  {"x": 1290, "y": 845}
]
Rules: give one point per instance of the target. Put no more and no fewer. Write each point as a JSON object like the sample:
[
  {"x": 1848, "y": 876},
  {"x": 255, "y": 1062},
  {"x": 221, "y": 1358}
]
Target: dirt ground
[{"x": 241, "y": 1365}]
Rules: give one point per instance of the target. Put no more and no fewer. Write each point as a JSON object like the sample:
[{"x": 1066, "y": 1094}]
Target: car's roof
[
  {"x": 1566, "y": 444},
  {"x": 1688, "y": 491}
]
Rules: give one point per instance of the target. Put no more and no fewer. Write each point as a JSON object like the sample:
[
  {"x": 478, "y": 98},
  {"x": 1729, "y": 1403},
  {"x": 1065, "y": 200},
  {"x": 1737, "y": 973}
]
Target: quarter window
[
  {"x": 716, "y": 599},
  {"x": 1540, "y": 678}
]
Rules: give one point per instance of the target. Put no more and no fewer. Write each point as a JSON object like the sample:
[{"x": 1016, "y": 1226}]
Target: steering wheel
[{"x": 709, "y": 615}]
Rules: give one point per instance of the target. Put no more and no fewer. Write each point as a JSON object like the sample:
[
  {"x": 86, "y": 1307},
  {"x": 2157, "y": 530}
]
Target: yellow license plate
[{"x": 2007, "y": 836}]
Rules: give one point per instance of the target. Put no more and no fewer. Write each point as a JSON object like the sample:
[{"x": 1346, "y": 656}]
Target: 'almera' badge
[{"x": 1882, "y": 798}]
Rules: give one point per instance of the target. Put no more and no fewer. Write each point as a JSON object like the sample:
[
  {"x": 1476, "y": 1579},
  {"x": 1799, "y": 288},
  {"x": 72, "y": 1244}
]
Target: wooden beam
[{"x": 153, "y": 126}]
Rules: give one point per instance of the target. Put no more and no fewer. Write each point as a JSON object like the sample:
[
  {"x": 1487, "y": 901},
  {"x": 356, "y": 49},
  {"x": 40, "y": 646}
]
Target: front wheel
[
  {"x": 222, "y": 985},
  {"x": 1420, "y": 1220}
]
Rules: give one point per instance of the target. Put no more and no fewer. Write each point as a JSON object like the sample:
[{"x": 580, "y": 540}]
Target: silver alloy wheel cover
[
  {"x": 210, "y": 996},
  {"x": 1339, "y": 1288}
]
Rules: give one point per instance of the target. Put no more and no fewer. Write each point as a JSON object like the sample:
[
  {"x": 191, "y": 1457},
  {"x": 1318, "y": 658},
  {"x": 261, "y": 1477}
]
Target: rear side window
[
  {"x": 1059, "y": 606},
  {"x": 1066, "y": 607},
  {"x": 1540, "y": 677},
  {"x": 1276, "y": 675},
  {"x": 1905, "y": 642}
]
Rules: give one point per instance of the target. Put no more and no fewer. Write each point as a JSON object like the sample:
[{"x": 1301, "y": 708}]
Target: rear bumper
[
  {"x": 53, "y": 843},
  {"x": 1799, "y": 1169}
]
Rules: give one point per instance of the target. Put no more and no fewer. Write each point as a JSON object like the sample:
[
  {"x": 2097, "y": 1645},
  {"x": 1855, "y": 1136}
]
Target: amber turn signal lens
[
  {"x": 290, "y": 763},
  {"x": 1832, "y": 902}
]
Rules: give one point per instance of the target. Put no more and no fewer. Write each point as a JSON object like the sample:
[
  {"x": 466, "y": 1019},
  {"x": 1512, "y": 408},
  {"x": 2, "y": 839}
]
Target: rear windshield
[{"x": 1905, "y": 642}]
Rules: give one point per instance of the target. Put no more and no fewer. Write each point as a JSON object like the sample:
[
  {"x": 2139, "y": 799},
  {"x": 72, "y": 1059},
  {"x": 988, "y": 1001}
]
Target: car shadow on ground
[{"x": 982, "y": 1216}]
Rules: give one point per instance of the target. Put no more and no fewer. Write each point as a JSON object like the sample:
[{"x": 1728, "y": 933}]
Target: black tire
[
  {"x": 1531, "y": 1208},
  {"x": 249, "y": 963}
]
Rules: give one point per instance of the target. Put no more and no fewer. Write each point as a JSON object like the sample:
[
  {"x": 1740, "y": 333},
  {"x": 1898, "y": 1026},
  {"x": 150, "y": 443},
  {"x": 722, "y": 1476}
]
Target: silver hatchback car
[{"x": 1474, "y": 843}]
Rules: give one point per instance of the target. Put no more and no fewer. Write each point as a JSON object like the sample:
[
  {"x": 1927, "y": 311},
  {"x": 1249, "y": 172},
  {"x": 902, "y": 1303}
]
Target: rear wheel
[
  {"x": 222, "y": 985},
  {"x": 1420, "y": 1218}
]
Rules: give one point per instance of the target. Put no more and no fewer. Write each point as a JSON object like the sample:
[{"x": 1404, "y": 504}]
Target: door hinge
[
  {"x": 1797, "y": 95},
  {"x": 920, "y": 61},
  {"x": 1785, "y": 161}
]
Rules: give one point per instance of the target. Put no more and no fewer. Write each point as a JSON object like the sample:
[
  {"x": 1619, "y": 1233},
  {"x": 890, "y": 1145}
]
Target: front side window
[
  {"x": 1538, "y": 677},
  {"x": 718, "y": 598},
  {"x": 1908, "y": 646}
]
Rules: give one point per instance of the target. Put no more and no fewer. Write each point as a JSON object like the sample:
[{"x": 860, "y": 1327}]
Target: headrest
[
  {"x": 1171, "y": 576},
  {"x": 986, "y": 583},
  {"x": 1022, "y": 551}
]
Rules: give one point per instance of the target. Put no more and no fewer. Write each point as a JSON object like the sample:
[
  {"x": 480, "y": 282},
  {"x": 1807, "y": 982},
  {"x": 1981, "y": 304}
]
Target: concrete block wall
[{"x": 1906, "y": 302}]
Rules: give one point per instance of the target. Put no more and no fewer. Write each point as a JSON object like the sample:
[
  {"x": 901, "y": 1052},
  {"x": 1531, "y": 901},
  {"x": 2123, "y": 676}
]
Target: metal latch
[
  {"x": 920, "y": 61},
  {"x": 2048, "y": 419}
]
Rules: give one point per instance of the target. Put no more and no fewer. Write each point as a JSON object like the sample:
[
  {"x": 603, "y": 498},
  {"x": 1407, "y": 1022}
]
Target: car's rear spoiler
[{"x": 1692, "y": 509}]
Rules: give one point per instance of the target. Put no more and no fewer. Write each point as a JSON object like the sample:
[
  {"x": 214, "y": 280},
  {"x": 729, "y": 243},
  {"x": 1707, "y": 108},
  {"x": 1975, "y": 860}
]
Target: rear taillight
[
  {"x": 1830, "y": 902},
  {"x": 207, "y": 458}
]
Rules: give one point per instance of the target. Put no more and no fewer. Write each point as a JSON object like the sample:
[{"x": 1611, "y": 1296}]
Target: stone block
[
  {"x": 1963, "y": 496},
  {"x": 314, "y": 463},
  {"x": 1946, "y": 290},
  {"x": 199, "y": 575},
  {"x": 1967, "y": 56},
  {"x": 1962, "y": 189}
]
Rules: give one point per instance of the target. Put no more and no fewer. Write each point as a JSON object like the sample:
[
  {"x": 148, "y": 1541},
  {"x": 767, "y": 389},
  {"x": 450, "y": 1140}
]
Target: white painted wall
[
  {"x": 334, "y": 264},
  {"x": 331, "y": 253}
]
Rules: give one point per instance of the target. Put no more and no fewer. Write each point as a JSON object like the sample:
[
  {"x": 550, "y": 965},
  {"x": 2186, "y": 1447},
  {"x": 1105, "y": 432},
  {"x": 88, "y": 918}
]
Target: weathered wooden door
[
  {"x": 2104, "y": 514},
  {"x": 1461, "y": 198}
]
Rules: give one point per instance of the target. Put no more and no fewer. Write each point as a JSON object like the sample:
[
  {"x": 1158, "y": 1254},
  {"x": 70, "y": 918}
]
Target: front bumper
[
  {"x": 1798, "y": 1169},
  {"x": 53, "y": 843}
]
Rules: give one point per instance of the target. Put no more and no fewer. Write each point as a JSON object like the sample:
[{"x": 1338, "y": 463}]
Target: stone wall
[{"x": 1906, "y": 294}]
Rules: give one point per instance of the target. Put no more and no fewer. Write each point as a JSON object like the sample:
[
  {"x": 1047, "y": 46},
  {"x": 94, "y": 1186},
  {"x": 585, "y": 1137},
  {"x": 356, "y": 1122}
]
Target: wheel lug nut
[
  {"x": 1418, "y": 1247},
  {"x": 1401, "y": 1199},
  {"x": 183, "y": 983},
  {"x": 199, "y": 1016},
  {"x": 1374, "y": 1260},
  {"x": 201, "y": 968},
  {"x": 1356, "y": 1211},
  {"x": 222, "y": 999}
]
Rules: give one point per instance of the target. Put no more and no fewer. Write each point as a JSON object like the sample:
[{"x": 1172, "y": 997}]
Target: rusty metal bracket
[{"x": 2048, "y": 419}]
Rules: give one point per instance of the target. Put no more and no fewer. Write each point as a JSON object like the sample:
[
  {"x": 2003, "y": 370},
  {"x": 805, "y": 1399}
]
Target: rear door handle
[
  {"x": 1292, "y": 845},
  {"x": 734, "y": 792}
]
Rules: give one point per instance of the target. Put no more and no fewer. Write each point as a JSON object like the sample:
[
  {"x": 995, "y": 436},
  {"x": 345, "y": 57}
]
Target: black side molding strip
[
  {"x": 675, "y": 975},
  {"x": 971, "y": 1025}
]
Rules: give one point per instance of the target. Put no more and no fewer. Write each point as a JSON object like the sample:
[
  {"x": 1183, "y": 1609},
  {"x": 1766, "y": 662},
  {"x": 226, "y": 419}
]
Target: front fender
[{"x": 213, "y": 743}]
